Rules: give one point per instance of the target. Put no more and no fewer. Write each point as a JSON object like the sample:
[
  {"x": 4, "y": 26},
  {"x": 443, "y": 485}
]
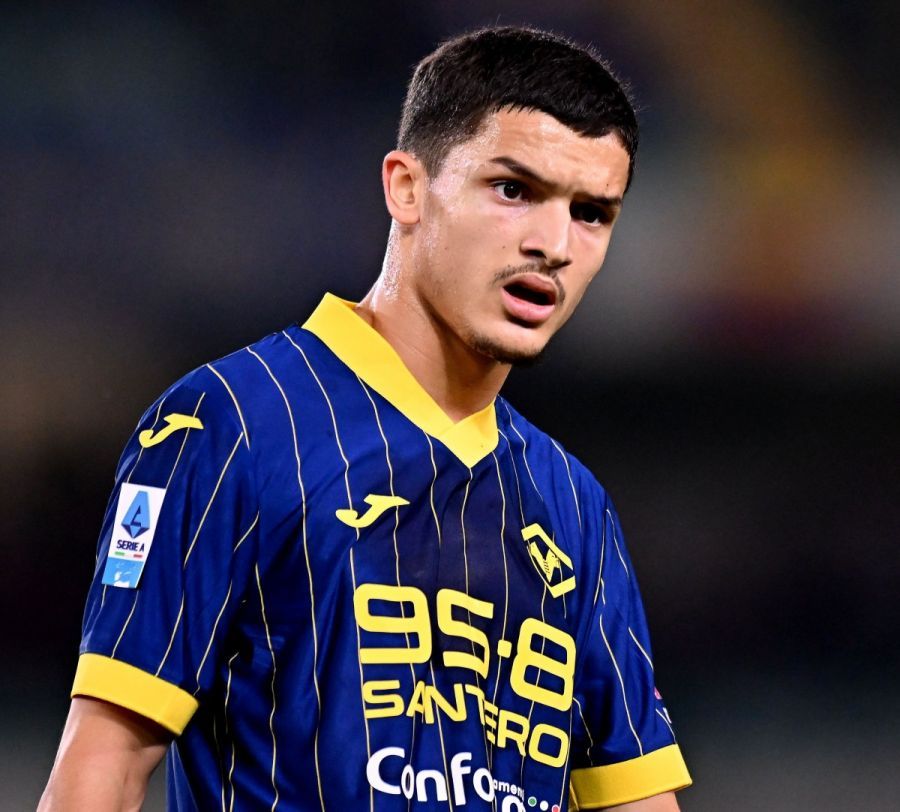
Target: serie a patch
[{"x": 137, "y": 514}]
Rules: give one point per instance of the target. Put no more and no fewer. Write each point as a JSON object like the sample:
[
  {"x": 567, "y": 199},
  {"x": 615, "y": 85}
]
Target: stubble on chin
[{"x": 522, "y": 359}]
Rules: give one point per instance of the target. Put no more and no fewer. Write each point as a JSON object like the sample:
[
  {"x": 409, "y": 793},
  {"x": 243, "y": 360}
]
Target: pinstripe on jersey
[{"x": 353, "y": 603}]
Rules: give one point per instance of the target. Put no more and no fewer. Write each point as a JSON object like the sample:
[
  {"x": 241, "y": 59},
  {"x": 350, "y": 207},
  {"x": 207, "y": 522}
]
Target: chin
[{"x": 519, "y": 355}]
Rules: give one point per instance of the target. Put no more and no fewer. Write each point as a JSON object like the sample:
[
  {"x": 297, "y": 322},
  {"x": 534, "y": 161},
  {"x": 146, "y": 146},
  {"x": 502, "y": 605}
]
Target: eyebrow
[{"x": 520, "y": 169}]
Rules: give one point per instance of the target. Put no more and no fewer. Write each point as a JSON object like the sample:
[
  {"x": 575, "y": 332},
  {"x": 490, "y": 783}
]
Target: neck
[{"x": 460, "y": 380}]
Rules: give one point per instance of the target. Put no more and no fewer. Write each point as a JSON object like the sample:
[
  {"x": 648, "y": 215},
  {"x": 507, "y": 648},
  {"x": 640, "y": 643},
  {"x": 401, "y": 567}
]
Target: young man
[{"x": 372, "y": 584}]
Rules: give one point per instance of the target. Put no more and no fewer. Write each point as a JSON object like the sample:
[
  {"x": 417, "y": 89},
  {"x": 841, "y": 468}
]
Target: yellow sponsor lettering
[
  {"x": 455, "y": 712},
  {"x": 386, "y": 704},
  {"x": 543, "y": 731},
  {"x": 447, "y": 599},
  {"x": 528, "y": 656},
  {"x": 504, "y": 728},
  {"x": 479, "y": 698},
  {"x": 418, "y": 703},
  {"x": 512, "y": 727},
  {"x": 413, "y": 620},
  {"x": 490, "y": 721}
]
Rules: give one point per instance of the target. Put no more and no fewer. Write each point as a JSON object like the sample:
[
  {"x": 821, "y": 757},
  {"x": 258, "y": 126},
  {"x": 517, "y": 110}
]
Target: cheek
[
  {"x": 587, "y": 269},
  {"x": 473, "y": 241},
  {"x": 592, "y": 253},
  {"x": 453, "y": 221}
]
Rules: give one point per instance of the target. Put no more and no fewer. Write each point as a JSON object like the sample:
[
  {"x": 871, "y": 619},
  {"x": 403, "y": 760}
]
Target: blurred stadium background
[{"x": 181, "y": 178}]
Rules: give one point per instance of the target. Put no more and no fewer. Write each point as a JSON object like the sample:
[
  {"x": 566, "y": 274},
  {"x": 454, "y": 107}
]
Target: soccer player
[{"x": 338, "y": 570}]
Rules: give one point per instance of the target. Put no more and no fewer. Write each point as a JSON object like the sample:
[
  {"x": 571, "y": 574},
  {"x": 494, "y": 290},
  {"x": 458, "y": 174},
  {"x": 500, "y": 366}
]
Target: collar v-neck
[{"x": 367, "y": 353}]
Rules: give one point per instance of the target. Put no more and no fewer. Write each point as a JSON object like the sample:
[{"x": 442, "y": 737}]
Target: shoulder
[
  {"x": 548, "y": 459},
  {"x": 243, "y": 387},
  {"x": 221, "y": 398}
]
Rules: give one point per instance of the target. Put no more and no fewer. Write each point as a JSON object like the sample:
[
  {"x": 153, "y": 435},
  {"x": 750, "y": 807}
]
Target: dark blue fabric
[{"x": 268, "y": 637}]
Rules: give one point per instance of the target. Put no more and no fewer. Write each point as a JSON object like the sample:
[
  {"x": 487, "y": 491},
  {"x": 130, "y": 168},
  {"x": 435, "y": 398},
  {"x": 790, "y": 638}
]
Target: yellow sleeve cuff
[
  {"x": 124, "y": 685},
  {"x": 662, "y": 770}
]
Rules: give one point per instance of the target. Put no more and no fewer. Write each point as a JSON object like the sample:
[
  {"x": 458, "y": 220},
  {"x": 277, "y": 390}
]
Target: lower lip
[{"x": 526, "y": 311}]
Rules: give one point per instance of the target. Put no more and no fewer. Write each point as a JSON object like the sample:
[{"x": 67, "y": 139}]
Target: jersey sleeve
[
  {"x": 625, "y": 749},
  {"x": 176, "y": 554}
]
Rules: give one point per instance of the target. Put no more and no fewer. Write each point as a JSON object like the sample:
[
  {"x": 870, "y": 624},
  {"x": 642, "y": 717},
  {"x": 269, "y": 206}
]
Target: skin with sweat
[{"x": 489, "y": 258}]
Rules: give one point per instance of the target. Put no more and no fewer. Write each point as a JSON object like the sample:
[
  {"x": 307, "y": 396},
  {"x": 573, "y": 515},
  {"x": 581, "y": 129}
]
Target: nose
[{"x": 548, "y": 234}]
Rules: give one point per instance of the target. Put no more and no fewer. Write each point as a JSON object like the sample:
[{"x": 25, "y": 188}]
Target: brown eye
[
  {"x": 590, "y": 214},
  {"x": 510, "y": 190}
]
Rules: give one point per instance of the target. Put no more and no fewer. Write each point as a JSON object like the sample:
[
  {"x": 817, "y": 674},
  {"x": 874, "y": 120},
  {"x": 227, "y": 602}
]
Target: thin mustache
[{"x": 514, "y": 270}]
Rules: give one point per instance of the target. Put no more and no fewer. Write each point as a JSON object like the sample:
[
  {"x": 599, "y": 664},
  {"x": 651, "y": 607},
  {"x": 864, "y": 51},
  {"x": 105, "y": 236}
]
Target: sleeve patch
[{"x": 137, "y": 515}]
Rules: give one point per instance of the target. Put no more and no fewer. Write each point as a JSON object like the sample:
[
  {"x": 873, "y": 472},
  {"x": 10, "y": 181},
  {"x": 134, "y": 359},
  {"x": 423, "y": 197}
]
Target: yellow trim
[
  {"x": 129, "y": 687},
  {"x": 375, "y": 361},
  {"x": 599, "y": 787}
]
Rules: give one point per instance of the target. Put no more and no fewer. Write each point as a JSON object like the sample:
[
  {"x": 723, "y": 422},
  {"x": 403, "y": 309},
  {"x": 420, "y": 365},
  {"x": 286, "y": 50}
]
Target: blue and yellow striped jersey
[{"x": 339, "y": 599}]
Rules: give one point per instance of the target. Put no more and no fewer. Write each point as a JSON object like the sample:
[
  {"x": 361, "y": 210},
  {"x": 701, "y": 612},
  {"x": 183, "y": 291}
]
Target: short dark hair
[{"x": 483, "y": 71}]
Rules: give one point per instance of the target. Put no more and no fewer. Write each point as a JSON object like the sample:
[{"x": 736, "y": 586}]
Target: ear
[{"x": 402, "y": 177}]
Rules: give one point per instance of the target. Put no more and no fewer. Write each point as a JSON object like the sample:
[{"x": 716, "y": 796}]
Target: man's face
[{"x": 513, "y": 228}]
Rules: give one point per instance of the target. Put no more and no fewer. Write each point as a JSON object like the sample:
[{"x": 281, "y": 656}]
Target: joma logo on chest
[{"x": 378, "y": 505}]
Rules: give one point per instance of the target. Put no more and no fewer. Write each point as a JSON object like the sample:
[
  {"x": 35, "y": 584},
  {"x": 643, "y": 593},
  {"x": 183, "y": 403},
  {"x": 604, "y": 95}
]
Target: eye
[
  {"x": 511, "y": 190},
  {"x": 590, "y": 214}
]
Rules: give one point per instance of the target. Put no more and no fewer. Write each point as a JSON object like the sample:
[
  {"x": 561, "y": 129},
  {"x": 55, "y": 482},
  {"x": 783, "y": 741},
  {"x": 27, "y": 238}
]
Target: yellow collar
[{"x": 370, "y": 356}]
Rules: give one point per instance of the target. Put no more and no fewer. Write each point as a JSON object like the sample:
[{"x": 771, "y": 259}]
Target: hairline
[{"x": 451, "y": 143}]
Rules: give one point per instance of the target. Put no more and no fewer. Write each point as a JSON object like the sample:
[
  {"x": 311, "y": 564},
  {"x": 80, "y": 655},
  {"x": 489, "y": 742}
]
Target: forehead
[{"x": 580, "y": 164}]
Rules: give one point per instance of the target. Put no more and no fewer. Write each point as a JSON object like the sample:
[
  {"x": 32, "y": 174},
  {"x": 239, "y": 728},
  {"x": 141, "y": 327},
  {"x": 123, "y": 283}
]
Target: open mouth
[
  {"x": 530, "y": 299},
  {"x": 530, "y": 294}
]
